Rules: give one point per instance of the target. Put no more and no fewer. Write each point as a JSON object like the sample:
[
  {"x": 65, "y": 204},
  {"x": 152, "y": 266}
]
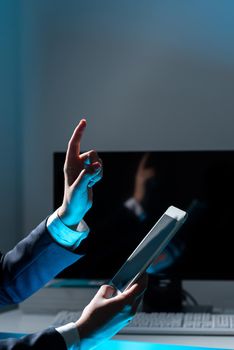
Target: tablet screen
[{"x": 151, "y": 246}]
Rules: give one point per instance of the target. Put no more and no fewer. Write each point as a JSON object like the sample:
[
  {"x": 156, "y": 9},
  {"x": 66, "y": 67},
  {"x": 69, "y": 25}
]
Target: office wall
[
  {"x": 10, "y": 125},
  {"x": 154, "y": 74}
]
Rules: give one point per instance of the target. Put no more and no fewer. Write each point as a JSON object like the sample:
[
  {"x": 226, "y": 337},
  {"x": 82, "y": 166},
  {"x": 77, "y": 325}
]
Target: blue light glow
[{"x": 129, "y": 345}]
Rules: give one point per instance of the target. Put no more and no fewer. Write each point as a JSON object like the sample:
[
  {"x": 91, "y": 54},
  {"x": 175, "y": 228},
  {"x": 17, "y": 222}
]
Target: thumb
[
  {"x": 106, "y": 291},
  {"x": 95, "y": 169},
  {"x": 87, "y": 174}
]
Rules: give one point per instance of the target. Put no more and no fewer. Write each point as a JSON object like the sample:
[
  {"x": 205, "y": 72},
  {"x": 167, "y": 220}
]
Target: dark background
[{"x": 199, "y": 182}]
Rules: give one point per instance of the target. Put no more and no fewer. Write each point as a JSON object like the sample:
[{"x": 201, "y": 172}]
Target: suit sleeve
[
  {"x": 45, "y": 340},
  {"x": 31, "y": 264}
]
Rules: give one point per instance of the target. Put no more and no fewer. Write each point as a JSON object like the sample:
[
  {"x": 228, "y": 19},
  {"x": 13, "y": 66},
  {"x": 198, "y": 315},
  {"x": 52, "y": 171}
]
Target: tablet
[{"x": 149, "y": 249}]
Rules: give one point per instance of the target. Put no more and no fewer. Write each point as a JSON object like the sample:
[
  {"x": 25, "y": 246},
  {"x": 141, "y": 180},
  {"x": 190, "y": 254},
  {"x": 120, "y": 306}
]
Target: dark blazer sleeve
[
  {"x": 47, "y": 340},
  {"x": 31, "y": 264}
]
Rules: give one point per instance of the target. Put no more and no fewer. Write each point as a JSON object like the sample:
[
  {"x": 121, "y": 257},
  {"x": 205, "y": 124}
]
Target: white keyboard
[{"x": 167, "y": 323}]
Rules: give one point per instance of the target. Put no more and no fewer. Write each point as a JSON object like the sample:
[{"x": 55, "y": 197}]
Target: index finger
[
  {"x": 144, "y": 160},
  {"x": 73, "y": 149}
]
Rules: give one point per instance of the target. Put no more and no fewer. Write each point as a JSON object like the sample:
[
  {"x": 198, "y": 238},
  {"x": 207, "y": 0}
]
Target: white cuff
[
  {"x": 135, "y": 207},
  {"x": 63, "y": 234},
  {"x": 70, "y": 334}
]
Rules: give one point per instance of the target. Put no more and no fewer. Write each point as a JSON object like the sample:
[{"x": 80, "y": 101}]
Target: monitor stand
[{"x": 167, "y": 295}]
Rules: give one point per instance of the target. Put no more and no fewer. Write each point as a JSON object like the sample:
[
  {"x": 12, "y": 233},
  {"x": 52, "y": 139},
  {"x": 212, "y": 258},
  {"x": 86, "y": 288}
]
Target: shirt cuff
[
  {"x": 136, "y": 208},
  {"x": 70, "y": 334},
  {"x": 64, "y": 235}
]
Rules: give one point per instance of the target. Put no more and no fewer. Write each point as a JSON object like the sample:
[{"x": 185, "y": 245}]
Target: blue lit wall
[
  {"x": 10, "y": 121},
  {"x": 154, "y": 74}
]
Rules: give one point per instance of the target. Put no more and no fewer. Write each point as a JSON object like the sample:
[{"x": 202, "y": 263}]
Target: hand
[
  {"x": 142, "y": 176},
  {"x": 81, "y": 172},
  {"x": 106, "y": 315}
]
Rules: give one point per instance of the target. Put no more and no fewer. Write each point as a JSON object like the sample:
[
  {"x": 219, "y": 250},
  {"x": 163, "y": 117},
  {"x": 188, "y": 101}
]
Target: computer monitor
[{"x": 200, "y": 182}]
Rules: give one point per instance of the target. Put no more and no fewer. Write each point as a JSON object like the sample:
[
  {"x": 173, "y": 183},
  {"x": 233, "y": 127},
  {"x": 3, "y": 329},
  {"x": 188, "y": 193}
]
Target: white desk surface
[{"x": 17, "y": 322}]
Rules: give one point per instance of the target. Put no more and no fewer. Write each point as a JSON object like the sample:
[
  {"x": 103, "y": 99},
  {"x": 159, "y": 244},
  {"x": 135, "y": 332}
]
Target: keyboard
[{"x": 167, "y": 323}]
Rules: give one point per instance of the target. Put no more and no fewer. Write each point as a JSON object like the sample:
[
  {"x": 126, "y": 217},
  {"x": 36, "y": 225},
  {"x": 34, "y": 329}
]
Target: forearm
[{"x": 31, "y": 264}]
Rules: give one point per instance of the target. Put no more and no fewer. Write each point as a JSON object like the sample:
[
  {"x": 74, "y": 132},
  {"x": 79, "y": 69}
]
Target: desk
[{"x": 17, "y": 322}]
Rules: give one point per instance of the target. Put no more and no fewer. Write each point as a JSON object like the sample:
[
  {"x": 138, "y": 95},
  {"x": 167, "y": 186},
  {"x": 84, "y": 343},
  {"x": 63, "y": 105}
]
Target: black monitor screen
[{"x": 137, "y": 187}]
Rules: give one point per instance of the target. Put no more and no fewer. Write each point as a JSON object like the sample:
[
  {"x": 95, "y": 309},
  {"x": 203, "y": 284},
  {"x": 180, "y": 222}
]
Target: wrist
[
  {"x": 67, "y": 218},
  {"x": 70, "y": 335},
  {"x": 87, "y": 340},
  {"x": 81, "y": 330},
  {"x": 138, "y": 196}
]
